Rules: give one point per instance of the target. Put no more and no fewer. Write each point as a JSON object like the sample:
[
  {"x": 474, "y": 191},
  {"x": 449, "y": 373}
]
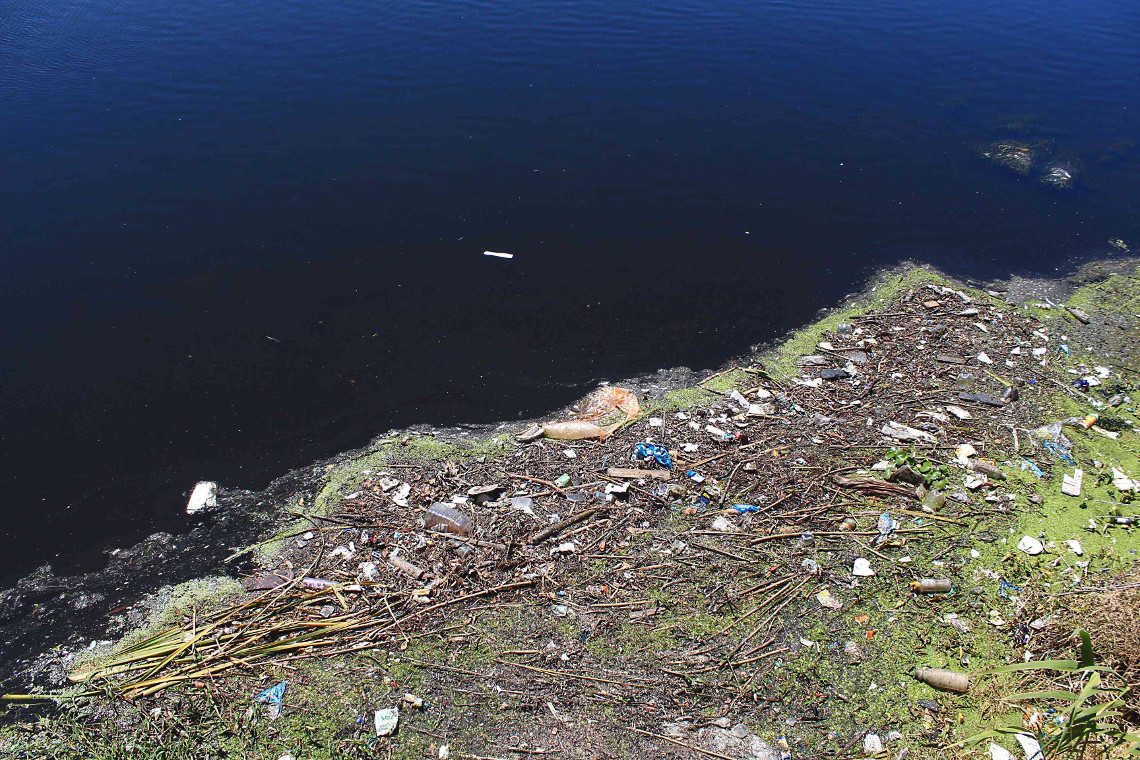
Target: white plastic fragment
[
  {"x": 723, "y": 525},
  {"x": 1030, "y": 546},
  {"x": 401, "y": 495},
  {"x": 368, "y": 571},
  {"x": 1122, "y": 481},
  {"x": 963, "y": 453},
  {"x": 997, "y": 752},
  {"x": 872, "y": 744},
  {"x": 902, "y": 432},
  {"x": 862, "y": 568},
  {"x": 984, "y": 359},
  {"x": 959, "y": 412},
  {"x": 738, "y": 397},
  {"x": 386, "y": 720},
  {"x": 1029, "y": 746},
  {"x": 973, "y": 481},
  {"x": 568, "y": 547},
  {"x": 204, "y": 496},
  {"x": 1071, "y": 484},
  {"x": 499, "y": 254},
  {"x": 1075, "y": 547},
  {"x": 761, "y": 410}
]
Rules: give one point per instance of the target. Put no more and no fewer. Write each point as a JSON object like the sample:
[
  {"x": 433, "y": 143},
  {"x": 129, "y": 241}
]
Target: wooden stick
[
  {"x": 564, "y": 674},
  {"x": 540, "y": 481},
  {"x": 558, "y": 527},
  {"x": 679, "y": 743}
]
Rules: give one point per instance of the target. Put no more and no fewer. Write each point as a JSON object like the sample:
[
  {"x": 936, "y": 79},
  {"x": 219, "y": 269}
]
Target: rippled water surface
[{"x": 241, "y": 236}]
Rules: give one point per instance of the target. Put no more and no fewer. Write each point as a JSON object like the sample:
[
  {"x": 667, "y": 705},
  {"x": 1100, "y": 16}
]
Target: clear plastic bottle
[
  {"x": 448, "y": 520},
  {"x": 931, "y": 586}
]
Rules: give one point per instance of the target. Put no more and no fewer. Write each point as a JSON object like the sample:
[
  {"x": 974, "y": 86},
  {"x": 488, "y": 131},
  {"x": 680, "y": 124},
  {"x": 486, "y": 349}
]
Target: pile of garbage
[{"x": 674, "y": 563}]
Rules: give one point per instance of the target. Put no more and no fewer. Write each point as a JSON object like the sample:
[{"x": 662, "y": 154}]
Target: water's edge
[{"x": 44, "y": 615}]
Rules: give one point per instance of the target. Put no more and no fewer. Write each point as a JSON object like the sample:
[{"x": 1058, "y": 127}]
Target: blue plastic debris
[
  {"x": 1064, "y": 348},
  {"x": 1005, "y": 588},
  {"x": 1081, "y": 385},
  {"x": 1058, "y": 451},
  {"x": 1028, "y": 465},
  {"x": 743, "y": 508},
  {"x": 660, "y": 453},
  {"x": 887, "y": 523},
  {"x": 275, "y": 696},
  {"x": 695, "y": 476}
]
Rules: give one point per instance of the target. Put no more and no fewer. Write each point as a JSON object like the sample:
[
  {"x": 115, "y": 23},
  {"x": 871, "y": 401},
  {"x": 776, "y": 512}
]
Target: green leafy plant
[
  {"x": 935, "y": 474},
  {"x": 1090, "y": 720}
]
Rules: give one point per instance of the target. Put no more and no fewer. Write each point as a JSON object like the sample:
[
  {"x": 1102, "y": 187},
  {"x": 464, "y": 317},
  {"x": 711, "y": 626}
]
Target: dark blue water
[{"x": 179, "y": 181}]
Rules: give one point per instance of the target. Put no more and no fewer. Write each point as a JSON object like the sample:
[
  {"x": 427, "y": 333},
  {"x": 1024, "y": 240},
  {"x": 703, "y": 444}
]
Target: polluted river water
[{"x": 243, "y": 238}]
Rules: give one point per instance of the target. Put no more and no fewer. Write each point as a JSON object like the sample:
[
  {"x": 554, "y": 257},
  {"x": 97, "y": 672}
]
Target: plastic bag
[{"x": 605, "y": 400}]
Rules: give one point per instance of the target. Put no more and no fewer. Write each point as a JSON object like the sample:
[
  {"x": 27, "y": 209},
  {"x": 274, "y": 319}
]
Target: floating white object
[
  {"x": 1030, "y": 545},
  {"x": 1071, "y": 484},
  {"x": 499, "y": 255},
  {"x": 862, "y": 568},
  {"x": 204, "y": 495}
]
